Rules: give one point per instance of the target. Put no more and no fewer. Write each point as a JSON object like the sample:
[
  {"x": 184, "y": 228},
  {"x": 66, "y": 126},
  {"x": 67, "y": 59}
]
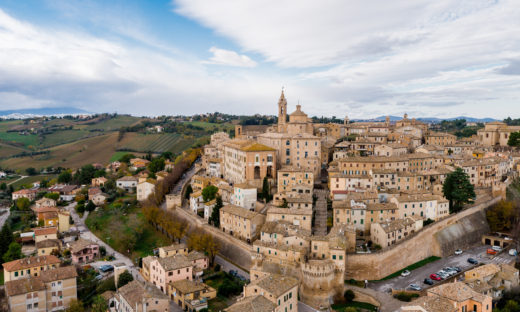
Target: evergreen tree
[
  {"x": 90, "y": 206},
  {"x": 209, "y": 193},
  {"x": 514, "y": 139},
  {"x": 215, "y": 214},
  {"x": 458, "y": 190},
  {"x": 265, "y": 190},
  {"x": 14, "y": 252},
  {"x": 6, "y": 238},
  {"x": 124, "y": 279}
]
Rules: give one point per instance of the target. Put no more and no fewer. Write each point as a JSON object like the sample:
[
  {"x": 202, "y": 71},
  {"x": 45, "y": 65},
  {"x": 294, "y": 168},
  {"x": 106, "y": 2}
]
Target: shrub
[{"x": 349, "y": 295}]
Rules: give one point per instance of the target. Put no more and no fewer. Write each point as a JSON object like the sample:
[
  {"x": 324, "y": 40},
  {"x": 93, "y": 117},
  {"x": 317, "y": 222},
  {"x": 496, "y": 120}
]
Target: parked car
[
  {"x": 457, "y": 269},
  {"x": 106, "y": 268},
  {"x": 233, "y": 272},
  {"x": 491, "y": 251},
  {"x": 98, "y": 277},
  {"x": 458, "y": 252},
  {"x": 497, "y": 248},
  {"x": 428, "y": 281},
  {"x": 450, "y": 271},
  {"x": 442, "y": 274},
  {"x": 415, "y": 287},
  {"x": 405, "y": 273},
  {"x": 513, "y": 252},
  {"x": 472, "y": 261},
  {"x": 435, "y": 277}
]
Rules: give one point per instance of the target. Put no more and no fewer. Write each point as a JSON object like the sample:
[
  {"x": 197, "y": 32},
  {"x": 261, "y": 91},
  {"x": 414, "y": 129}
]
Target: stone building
[
  {"x": 241, "y": 222},
  {"x": 390, "y": 233},
  {"x": 441, "y": 139},
  {"x": 246, "y": 161},
  {"x": 301, "y": 217},
  {"x": 496, "y": 133}
]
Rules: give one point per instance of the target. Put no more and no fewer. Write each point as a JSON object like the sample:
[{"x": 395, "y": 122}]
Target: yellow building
[
  {"x": 496, "y": 133},
  {"x": 440, "y": 139},
  {"x": 282, "y": 291},
  {"x": 191, "y": 295},
  {"x": 31, "y": 266},
  {"x": 172, "y": 250},
  {"x": 290, "y": 177},
  {"x": 46, "y": 247}
]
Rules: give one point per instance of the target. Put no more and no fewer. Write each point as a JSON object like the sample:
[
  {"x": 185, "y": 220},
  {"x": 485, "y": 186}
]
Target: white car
[
  {"x": 513, "y": 252},
  {"x": 458, "y": 252},
  {"x": 405, "y": 273},
  {"x": 497, "y": 248}
]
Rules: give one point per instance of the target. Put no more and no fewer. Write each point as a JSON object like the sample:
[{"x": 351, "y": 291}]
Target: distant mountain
[
  {"x": 432, "y": 119},
  {"x": 46, "y": 111}
]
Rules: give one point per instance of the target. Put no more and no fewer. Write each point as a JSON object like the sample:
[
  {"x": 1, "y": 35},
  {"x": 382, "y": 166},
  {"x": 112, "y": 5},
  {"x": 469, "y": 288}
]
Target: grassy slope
[
  {"x": 32, "y": 179},
  {"x": 7, "y": 150}
]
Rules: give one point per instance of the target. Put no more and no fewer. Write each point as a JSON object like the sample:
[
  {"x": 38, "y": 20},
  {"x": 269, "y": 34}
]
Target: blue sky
[{"x": 441, "y": 59}]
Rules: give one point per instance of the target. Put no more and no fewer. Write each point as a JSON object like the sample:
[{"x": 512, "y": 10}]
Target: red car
[{"x": 435, "y": 277}]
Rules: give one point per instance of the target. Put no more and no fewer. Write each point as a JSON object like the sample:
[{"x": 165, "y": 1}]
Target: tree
[
  {"x": 3, "y": 186},
  {"x": 124, "y": 279},
  {"x": 458, "y": 190},
  {"x": 102, "y": 251},
  {"x": 23, "y": 203},
  {"x": 85, "y": 174},
  {"x": 215, "y": 214},
  {"x": 209, "y": 193},
  {"x": 54, "y": 196},
  {"x": 6, "y": 238},
  {"x": 90, "y": 206},
  {"x": 501, "y": 216},
  {"x": 204, "y": 242},
  {"x": 514, "y": 139},
  {"x": 14, "y": 252},
  {"x": 75, "y": 306},
  {"x": 30, "y": 171},
  {"x": 99, "y": 304},
  {"x": 65, "y": 177},
  {"x": 189, "y": 190},
  {"x": 126, "y": 158},
  {"x": 349, "y": 295},
  {"x": 157, "y": 164},
  {"x": 265, "y": 190}
]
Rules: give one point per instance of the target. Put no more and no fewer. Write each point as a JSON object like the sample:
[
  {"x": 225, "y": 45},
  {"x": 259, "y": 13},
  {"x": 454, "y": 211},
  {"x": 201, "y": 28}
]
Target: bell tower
[{"x": 282, "y": 112}]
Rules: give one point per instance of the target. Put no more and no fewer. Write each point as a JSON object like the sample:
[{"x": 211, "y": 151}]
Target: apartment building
[
  {"x": 30, "y": 266},
  {"x": 246, "y": 161},
  {"x": 163, "y": 271},
  {"x": 145, "y": 189},
  {"x": 241, "y": 222},
  {"x": 244, "y": 195},
  {"x": 390, "y": 233},
  {"x": 281, "y": 290},
  {"x": 390, "y": 149},
  {"x": 191, "y": 295},
  {"x": 52, "y": 290},
  {"x": 361, "y": 215},
  {"x": 440, "y": 138},
  {"x": 291, "y": 178},
  {"x": 301, "y": 217},
  {"x": 427, "y": 206}
]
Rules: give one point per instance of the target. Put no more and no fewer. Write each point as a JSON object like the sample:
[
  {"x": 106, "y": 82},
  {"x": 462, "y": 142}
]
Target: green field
[
  {"x": 32, "y": 179},
  {"x": 113, "y": 225},
  {"x": 116, "y": 156},
  {"x": 26, "y": 140},
  {"x": 113, "y": 124}
]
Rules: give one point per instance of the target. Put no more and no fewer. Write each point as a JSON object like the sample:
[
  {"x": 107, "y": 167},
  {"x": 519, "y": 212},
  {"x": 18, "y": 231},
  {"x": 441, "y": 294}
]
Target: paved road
[
  {"x": 21, "y": 177},
  {"x": 227, "y": 266},
  {"x": 79, "y": 225},
  {"x": 418, "y": 275},
  {"x": 185, "y": 178},
  {"x": 4, "y": 215}
]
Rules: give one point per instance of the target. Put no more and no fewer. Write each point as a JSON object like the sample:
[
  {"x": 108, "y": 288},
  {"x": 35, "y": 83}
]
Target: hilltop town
[{"x": 288, "y": 214}]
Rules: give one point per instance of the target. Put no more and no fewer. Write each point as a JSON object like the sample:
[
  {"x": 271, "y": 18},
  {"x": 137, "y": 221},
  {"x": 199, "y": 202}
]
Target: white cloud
[{"x": 229, "y": 58}]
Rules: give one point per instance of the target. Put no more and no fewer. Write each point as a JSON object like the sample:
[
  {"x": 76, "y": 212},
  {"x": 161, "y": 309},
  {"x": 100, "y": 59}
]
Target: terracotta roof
[
  {"x": 80, "y": 244},
  {"x": 61, "y": 273},
  {"x": 30, "y": 262},
  {"x": 186, "y": 286},
  {"x": 430, "y": 304},
  {"x": 174, "y": 247},
  {"x": 252, "y": 304},
  {"x": 239, "y": 211},
  {"x": 195, "y": 255},
  {"x": 395, "y": 225},
  {"x": 276, "y": 284},
  {"x": 50, "y": 215},
  {"x": 128, "y": 178},
  {"x": 48, "y": 243},
  {"x": 26, "y": 191},
  {"x": 290, "y": 211},
  {"x": 45, "y": 231},
  {"x": 24, "y": 285},
  {"x": 174, "y": 262},
  {"x": 134, "y": 292},
  {"x": 457, "y": 291}
]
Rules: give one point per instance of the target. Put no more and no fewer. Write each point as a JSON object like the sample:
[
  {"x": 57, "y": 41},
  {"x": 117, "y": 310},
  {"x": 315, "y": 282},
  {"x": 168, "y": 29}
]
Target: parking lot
[{"x": 418, "y": 275}]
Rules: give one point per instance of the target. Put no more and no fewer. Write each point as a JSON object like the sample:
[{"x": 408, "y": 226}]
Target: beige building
[
  {"x": 172, "y": 250},
  {"x": 462, "y": 297},
  {"x": 426, "y": 206},
  {"x": 282, "y": 291},
  {"x": 301, "y": 217},
  {"x": 241, "y": 222},
  {"x": 496, "y": 133},
  {"x": 51, "y": 291},
  {"x": 390, "y": 233},
  {"x": 256, "y": 303},
  {"x": 390, "y": 149},
  {"x": 48, "y": 246},
  {"x": 137, "y": 297},
  {"x": 440, "y": 139},
  {"x": 145, "y": 189},
  {"x": 246, "y": 161},
  {"x": 291, "y": 178}
]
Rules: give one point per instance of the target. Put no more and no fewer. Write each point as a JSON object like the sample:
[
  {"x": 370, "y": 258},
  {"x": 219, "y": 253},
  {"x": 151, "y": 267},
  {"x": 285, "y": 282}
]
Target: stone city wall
[{"x": 424, "y": 244}]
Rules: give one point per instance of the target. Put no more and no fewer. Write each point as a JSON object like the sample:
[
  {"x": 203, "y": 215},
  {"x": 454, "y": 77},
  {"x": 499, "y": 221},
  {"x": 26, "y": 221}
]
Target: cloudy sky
[{"x": 441, "y": 58}]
